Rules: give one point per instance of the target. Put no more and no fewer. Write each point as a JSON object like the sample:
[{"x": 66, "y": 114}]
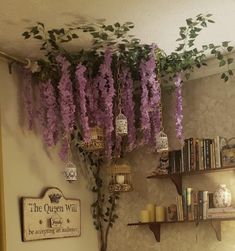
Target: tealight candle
[
  {"x": 120, "y": 179},
  {"x": 151, "y": 209},
  {"x": 160, "y": 213},
  {"x": 144, "y": 216}
]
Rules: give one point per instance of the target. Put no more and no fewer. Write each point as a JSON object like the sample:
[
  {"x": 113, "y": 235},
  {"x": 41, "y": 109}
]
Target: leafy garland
[{"x": 79, "y": 89}]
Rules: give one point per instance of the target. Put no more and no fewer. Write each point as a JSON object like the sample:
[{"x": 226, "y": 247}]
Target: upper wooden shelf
[
  {"x": 155, "y": 227},
  {"x": 177, "y": 177},
  {"x": 188, "y": 173}
]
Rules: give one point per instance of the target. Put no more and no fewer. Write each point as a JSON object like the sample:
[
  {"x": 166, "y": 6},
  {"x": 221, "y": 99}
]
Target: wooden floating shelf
[
  {"x": 155, "y": 227},
  {"x": 177, "y": 177}
]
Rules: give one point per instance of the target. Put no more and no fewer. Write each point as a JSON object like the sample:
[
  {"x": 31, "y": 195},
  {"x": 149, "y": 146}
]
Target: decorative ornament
[
  {"x": 162, "y": 142},
  {"x": 162, "y": 169},
  {"x": 222, "y": 197},
  {"x": 96, "y": 142},
  {"x": 121, "y": 124},
  {"x": 120, "y": 178},
  {"x": 70, "y": 172}
]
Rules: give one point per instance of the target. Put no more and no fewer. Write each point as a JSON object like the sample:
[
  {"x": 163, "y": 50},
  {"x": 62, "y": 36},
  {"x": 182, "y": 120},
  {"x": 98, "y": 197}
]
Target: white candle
[
  {"x": 144, "y": 216},
  {"x": 151, "y": 209},
  {"x": 120, "y": 179},
  {"x": 160, "y": 213}
]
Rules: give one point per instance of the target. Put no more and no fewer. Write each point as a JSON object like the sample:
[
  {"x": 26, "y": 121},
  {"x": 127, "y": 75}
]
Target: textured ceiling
[{"x": 155, "y": 20}]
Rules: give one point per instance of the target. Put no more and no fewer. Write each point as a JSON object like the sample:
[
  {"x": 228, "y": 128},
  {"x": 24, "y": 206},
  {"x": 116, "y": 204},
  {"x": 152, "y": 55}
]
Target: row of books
[
  {"x": 197, "y": 154},
  {"x": 198, "y": 205}
]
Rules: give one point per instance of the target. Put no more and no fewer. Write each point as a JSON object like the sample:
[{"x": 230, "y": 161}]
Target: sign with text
[{"x": 52, "y": 216}]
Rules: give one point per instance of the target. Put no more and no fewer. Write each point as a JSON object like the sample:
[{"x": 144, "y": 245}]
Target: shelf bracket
[
  {"x": 216, "y": 225},
  {"x": 177, "y": 180},
  {"x": 156, "y": 229}
]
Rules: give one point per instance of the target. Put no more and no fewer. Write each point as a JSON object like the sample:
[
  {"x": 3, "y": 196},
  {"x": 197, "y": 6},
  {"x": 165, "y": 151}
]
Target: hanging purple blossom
[
  {"x": 126, "y": 82},
  {"x": 67, "y": 106},
  {"x": 150, "y": 100},
  {"x": 82, "y": 83},
  {"x": 49, "y": 98},
  {"x": 105, "y": 84},
  {"x": 27, "y": 92},
  {"x": 64, "y": 150},
  {"x": 179, "y": 108}
]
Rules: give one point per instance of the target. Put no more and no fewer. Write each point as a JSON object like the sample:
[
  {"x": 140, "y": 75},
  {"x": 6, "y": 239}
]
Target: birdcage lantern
[
  {"x": 70, "y": 172},
  {"x": 121, "y": 124},
  {"x": 120, "y": 178},
  {"x": 96, "y": 142},
  {"x": 162, "y": 142}
]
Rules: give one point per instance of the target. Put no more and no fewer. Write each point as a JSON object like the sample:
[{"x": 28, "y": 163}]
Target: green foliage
[{"x": 129, "y": 49}]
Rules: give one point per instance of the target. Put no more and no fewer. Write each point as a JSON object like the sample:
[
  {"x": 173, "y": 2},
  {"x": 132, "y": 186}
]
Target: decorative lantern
[
  {"x": 70, "y": 172},
  {"x": 161, "y": 142},
  {"x": 121, "y": 124},
  {"x": 96, "y": 142},
  {"x": 120, "y": 178}
]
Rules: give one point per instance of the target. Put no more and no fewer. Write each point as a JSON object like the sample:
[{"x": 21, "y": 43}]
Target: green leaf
[
  {"x": 205, "y": 47},
  {"x": 180, "y": 47},
  {"x": 211, "y": 21},
  {"x": 209, "y": 15},
  {"x": 117, "y": 24},
  {"x": 229, "y": 60},
  {"x": 26, "y": 35},
  {"x": 74, "y": 35},
  {"x": 222, "y": 63},
  {"x": 230, "y": 48},
  {"x": 38, "y": 37},
  {"x": 109, "y": 28},
  {"x": 230, "y": 72},
  {"x": 223, "y": 75},
  {"x": 225, "y": 44},
  {"x": 189, "y": 21}
]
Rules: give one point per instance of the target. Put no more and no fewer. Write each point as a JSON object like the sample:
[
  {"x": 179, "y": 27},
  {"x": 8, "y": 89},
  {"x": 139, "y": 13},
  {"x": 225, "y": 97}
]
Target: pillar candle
[
  {"x": 144, "y": 216},
  {"x": 160, "y": 213},
  {"x": 151, "y": 209}
]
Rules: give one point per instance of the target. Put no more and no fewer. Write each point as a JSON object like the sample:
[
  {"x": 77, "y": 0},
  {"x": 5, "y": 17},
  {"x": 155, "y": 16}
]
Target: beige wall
[
  {"x": 209, "y": 111},
  {"x": 28, "y": 169}
]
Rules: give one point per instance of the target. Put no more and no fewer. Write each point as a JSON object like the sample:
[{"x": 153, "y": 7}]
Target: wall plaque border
[{"x": 50, "y": 216}]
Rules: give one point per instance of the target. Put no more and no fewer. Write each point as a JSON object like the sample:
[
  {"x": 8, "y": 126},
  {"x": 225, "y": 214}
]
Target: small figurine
[{"x": 163, "y": 163}]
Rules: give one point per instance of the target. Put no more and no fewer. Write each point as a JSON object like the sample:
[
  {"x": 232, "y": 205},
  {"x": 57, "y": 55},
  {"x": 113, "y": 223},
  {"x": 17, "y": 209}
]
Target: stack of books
[
  {"x": 197, "y": 154},
  {"x": 215, "y": 213}
]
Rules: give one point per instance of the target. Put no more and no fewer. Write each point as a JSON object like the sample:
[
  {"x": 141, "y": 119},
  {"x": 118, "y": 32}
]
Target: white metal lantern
[
  {"x": 121, "y": 125},
  {"x": 120, "y": 178},
  {"x": 70, "y": 172},
  {"x": 162, "y": 142}
]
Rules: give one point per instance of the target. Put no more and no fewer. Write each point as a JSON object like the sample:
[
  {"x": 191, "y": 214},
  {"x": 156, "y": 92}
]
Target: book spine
[
  {"x": 213, "y": 154},
  {"x": 184, "y": 198},
  {"x": 195, "y": 205},
  {"x": 192, "y": 154},
  {"x": 200, "y": 205},
  {"x": 197, "y": 156},
  {"x": 182, "y": 161},
  {"x": 210, "y": 200},
  {"x": 207, "y": 153},
  {"x": 189, "y": 203},
  {"x": 218, "y": 162},
  {"x": 221, "y": 215},
  {"x": 201, "y": 153},
  {"x": 189, "y": 154},
  {"x": 205, "y": 204}
]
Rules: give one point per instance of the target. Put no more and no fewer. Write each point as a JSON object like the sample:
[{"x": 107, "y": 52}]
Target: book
[
  {"x": 179, "y": 208},
  {"x": 200, "y": 205},
  {"x": 205, "y": 204},
  {"x": 220, "y": 142},
  {"x": 192, "y": 154},
  {"x": 197, "y": 154},
  {"x": 189, "y": 203},
  {"x": 221, "y": 215},
  {"x": 210, "y": 200},
  {"x": 184, "y": 199},
  {"x": 195, "y": 205},
  {"x": 221, "y": 210},
  {"x": 207, "y": 154}
]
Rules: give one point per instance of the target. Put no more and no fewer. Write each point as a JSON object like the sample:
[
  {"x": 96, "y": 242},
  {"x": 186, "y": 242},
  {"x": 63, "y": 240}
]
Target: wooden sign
[{"x": 51, "y": 216}]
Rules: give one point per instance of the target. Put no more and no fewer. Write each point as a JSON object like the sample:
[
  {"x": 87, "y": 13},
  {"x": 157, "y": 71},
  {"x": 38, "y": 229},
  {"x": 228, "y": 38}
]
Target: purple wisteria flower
[
  {"x": 27, "y": 93},
  {"x": 67, "y": 106},
  {"x": 128, "y": 106},
  {"x": 82, "y": 84},
  {"x": 179, "y": 108}
]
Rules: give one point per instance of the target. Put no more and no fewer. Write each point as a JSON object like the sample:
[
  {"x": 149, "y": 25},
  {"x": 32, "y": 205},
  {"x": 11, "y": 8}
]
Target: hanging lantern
[
  {"x": 162, "y": 142},
  {"x": 121, "y": 124},
  {"x": 70, "y": 172},
  {"x": 120, "y": 178},
  {"x": 96, "y": 142}
]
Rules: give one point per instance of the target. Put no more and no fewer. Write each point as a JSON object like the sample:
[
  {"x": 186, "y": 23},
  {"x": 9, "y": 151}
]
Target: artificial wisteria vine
[
  {"x": 27, "y": 93},
  {"x": 150, "y": 100},
  {"x": 179, "y": 108},
  {"x": 128, "y": 105},
  {"x": 81, "y": 89},
  {"x": 105, "y": 83}
]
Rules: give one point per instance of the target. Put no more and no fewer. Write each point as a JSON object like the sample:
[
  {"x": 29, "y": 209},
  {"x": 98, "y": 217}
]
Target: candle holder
[{"x": 119, "y": 178}]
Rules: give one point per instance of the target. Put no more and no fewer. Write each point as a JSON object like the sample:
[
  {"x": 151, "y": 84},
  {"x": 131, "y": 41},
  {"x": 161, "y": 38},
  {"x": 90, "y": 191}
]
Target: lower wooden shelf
[{"x": 155, "y": 227}]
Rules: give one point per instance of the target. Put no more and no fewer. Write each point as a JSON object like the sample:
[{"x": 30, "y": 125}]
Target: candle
[
  {"x": 151, "y": 209},
  {"x": 144, "y": 216},
  {"x": 160, "y": 213},
  {"x": 120, "y": 179}
]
